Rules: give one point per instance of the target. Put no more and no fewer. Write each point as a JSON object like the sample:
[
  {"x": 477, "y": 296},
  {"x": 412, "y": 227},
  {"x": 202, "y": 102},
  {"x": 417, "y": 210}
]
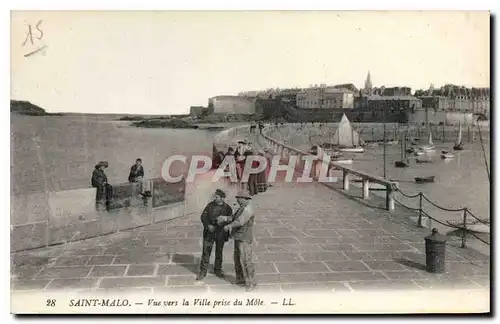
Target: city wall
[{"x": 52, "y": 218}]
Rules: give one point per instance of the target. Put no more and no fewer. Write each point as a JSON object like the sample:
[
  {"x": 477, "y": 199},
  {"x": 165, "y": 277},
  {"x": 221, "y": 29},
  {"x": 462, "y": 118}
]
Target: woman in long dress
[{"x": 261, "y": 177}]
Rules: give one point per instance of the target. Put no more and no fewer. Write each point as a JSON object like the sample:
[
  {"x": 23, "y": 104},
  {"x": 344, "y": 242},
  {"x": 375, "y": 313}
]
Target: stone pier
[{"x": 307, "y": 237}]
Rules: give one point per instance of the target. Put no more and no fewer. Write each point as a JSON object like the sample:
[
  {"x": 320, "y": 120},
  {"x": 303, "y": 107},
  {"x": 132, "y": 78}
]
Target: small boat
[
  {"x": 430, "y": 146},
  {"x": 352, "y": 150},
  {"x": 428, "y": 179},
  {"x": 401, "y": 164},
  {"x": 333, "y": 153},
  {"x": 423, "y": 160},
  {"x": 419, "y": 152},
  {"x": 343, "y": 161},
  {"x": 476, "y": 226},
  {"x": 410, "y": 150},
  {"x": 447, "y": 155},
  {"x": 460, "y": 223},
  {"x": 404, "y": 162},
  {"x": 392, "y": 142},
  {"x": 458, "y": 145}
]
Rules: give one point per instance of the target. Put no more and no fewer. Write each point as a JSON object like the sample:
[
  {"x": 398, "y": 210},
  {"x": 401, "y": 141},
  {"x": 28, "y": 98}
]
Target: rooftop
[{"x": 383, "y": 98}]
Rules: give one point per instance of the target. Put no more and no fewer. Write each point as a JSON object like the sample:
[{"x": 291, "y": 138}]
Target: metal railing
[
  {"x": 422, "y": 213},
  {"x": 390, "y": 186}
]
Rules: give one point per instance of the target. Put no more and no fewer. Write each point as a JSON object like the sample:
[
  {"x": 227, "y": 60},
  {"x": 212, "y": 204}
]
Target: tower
[{"x": 368, "y": 83}]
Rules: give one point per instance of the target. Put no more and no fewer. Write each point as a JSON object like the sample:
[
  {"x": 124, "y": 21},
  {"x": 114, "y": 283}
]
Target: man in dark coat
[
  {"x": 241, "y": 229},
  {"x": 136, "y": 172},
  {"x": 214, "y": 232},
  {"x": 100, "y": 182}
]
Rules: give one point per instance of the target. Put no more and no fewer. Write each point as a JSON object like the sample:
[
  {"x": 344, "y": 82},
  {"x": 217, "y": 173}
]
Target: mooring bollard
[{"x": 435, "y": 252}]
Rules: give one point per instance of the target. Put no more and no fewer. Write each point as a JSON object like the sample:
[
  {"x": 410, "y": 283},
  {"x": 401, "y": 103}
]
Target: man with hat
[
  {"x": 214, "y": 232},
  {"x": 241, "y": 229},
  {"x": 100, "y": 182}
]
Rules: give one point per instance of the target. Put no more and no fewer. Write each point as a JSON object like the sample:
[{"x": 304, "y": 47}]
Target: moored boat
[
  {"x": 419, "y": 152},
  {"x": 423, "y": 160},
  {"x": 410, "y": 150},
  {"x": 343, "y": 161},
  {"x": 402, "y": 164},
  {"x": 352, "y": 149},
  {"x": 447, "y": 155},
  {"x": 475, "y": 225},
  {"x": 430, "y": 146},
  {"x": 346, "y": 139},
  {"x": 428, "y": 179},
  {"x": 458, "y": 145}
]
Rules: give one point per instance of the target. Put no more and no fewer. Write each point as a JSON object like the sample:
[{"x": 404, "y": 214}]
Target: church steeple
[{"x": 368, "y": 82}]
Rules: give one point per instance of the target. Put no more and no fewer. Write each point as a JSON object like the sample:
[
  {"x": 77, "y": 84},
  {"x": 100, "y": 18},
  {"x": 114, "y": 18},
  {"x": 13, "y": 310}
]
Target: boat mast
[
  {"x": 352, "y": 136},
  {"x": 402, "y": 148},
  {"x": 385, "y": 144},
  {"x": 484, "y": 152},
  {"x": 459, "y": 139}
]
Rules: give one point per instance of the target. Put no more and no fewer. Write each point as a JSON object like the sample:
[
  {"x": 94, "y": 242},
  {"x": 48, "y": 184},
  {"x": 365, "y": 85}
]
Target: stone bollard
[{"x": 435, "y": 252}]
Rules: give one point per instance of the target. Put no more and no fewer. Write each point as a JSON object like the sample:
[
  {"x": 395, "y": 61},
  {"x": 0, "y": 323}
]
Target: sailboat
[
  {"x": 458, "y": 145},
  {"x": 430, "y": 146},
  {"x": 346, "y": 138},
  {"x": 447, "y": 155},
  {"x": 404, "y": 163}
]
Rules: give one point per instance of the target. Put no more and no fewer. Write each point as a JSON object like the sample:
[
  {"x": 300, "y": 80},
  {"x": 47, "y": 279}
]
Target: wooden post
[
  {"x": 444, "y": 135},
  {"x": 366, "y": 188},
  {"x": 150, "y": 185},
  {"x": 464, "y": 229},
  {"x": 389, "y": 199},
  {"x": 420, "y": 211},
  {"x": 346, "y": 180},
  {"x": 468, "y": 133},
  {"x": 373, "y": 135}
]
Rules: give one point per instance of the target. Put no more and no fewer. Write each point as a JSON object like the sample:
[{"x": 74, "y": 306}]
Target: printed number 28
[{"x": 51, "y": 302}]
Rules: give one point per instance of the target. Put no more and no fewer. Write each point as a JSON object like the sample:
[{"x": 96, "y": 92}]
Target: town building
[
  {"x": 289, "y": 95},
  {"x": 325, "y": 98},
  {"x": 450, "y": 104},
  {"x": 235, "y": 105},
  {"x": 196, "y": 111}
]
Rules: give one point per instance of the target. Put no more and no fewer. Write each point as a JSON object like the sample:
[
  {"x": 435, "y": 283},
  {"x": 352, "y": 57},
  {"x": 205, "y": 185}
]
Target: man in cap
[
  {"x": 100, "y": 182},
  {"x": 241, "y": 229},
  {"x": 214, "y": 232}
]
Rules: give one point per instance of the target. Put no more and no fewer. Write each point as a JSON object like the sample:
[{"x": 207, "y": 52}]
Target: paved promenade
[{"x": 307, "y": 237}]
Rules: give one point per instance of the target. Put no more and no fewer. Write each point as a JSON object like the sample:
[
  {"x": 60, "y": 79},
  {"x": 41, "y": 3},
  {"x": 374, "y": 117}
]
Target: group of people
[
  {"x": 104, "y": 190},
  {"x": 220, "y": 224},
  {"x": 256, "y": 182},
  {"x": 259, "y": 125}
]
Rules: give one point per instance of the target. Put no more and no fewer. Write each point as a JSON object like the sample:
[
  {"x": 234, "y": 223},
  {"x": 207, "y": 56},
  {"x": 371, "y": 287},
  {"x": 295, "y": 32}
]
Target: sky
[{"x": 163, "y": 62}]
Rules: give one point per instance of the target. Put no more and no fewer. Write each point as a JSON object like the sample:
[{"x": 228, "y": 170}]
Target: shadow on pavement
[
  {"x": 412, "y": 264},
  {"x": 192, "y": 264},
  {"x": 187, "y": 261}
]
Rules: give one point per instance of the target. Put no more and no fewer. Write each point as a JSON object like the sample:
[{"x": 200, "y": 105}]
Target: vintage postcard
[{"x": 266, "y": 162}]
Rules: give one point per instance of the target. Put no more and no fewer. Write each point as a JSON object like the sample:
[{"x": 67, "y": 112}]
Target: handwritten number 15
[{"x": 29, "y": 34}]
